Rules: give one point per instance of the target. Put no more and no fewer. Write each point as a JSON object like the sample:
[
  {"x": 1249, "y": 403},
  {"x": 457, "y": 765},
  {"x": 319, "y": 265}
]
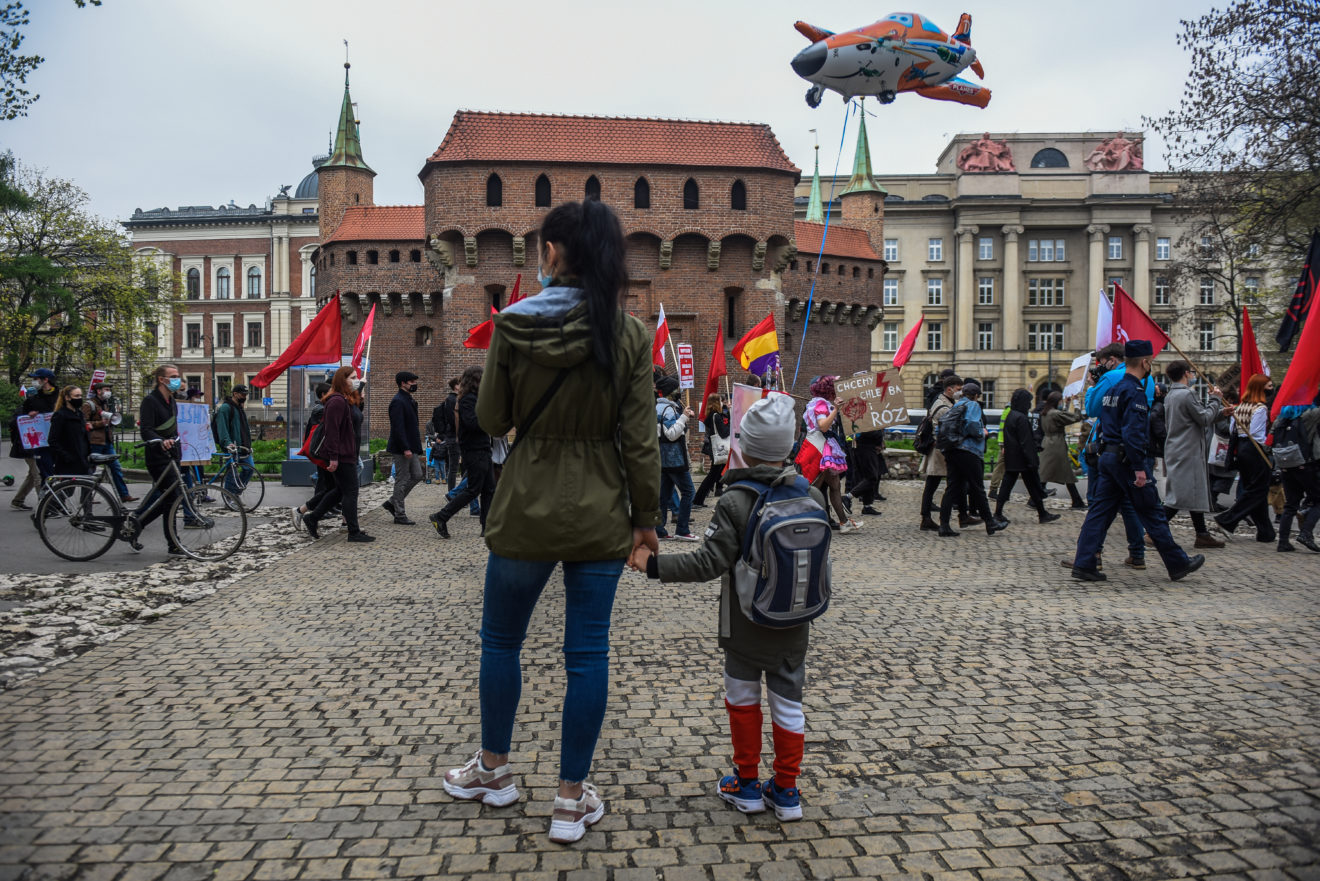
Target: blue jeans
[
  {"x": 116, "y": 472},
  {"x": 475, "y": 507},
  {"x": 512, "y": 589},
  {"x": 681, "y": 481},
  {"x": 246, "y": 470}
]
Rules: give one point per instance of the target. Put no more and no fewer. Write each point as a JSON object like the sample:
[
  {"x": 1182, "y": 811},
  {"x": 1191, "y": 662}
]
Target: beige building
[{"x": 1006, "y": 247}]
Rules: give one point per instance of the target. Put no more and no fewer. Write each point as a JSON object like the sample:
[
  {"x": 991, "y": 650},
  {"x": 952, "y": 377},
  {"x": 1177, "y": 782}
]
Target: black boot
[{"x": 1077, "y": 500}]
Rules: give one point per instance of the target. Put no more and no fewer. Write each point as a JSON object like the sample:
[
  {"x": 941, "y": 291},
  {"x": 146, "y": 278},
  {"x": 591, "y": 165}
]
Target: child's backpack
[
  {"x": 782, "y": 577},
  {"x": 949, "y": 432}
]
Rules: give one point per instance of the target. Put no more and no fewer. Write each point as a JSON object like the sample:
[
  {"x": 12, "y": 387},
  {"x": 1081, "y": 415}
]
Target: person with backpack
[
  {"x": 1296, "y": 428},
  {"x": 1052, "y": 440},
  {"x": 741, "y": 536},
  {"x": 342, "y": 422},
  {"x": 675, "y": 465},
  {"x": 1248, "y": 428},
  {"x": 325, "y": 481},
  {"x": 960, "y": 436},
  {"x": 1021, "y": 458},
  {"x": 717, "y": 436},
  {"x": 933, "y": 467},
  {"x": 445, "y": 428},
  {"x": 230, "y": 426},
  {"x": 474, "y": 443}
]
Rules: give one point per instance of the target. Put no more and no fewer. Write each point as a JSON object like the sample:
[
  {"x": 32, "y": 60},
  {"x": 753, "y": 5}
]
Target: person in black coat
[
  {"x": 69, "y": 442},
  {"x": 1021, "y": 458},
  {"x": 442, "y": 417}
]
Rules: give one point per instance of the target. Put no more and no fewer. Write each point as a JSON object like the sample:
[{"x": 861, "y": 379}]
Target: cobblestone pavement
[{"x": 972, "y": 713}]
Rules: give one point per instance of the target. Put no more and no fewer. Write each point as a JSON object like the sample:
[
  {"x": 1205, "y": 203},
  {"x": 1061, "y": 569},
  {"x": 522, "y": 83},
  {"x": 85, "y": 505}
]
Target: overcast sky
[{"x": 150, "y": 103}]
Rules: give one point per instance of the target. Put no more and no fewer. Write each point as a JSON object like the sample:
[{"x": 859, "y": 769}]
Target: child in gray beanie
[{"x": 765, "y": 438}]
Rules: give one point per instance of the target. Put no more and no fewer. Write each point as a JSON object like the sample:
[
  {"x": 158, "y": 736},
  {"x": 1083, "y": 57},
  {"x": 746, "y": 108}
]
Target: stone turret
[
  {"x": 344, "y": 180},
  {"x": 815, "y": 210},
  {"x": 863, "y": 200}
]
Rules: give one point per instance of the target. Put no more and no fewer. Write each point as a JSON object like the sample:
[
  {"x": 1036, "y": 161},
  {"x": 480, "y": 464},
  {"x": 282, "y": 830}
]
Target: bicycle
[
  {"x": 79, "y": 519},
  {"x": 250, "y": 491}
]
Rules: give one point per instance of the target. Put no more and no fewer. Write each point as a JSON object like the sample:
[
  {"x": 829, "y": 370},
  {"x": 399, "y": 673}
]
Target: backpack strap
[
  {"x": 760, "y": 490},
  {"x": 536, "y": 410}
]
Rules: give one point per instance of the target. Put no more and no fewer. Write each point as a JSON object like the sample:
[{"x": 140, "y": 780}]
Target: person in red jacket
[{"x": 341, "y": 452}]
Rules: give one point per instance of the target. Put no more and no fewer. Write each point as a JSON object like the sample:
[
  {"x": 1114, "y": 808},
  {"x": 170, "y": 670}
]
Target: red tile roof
[
  {"x": 380, "y": 223},
  {"x": 842, "y": 241},
  {"x": 476, "y": 136}
]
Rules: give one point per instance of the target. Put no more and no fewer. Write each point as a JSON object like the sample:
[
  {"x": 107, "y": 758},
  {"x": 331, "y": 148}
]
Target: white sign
[
  {"x": 34, "y": 431},
  {"x": 98, "y": 376},
  {"x": 1077, "y": 376},
  {"x": 195, "y": 432},
  {"x": 687, "y": 371}
]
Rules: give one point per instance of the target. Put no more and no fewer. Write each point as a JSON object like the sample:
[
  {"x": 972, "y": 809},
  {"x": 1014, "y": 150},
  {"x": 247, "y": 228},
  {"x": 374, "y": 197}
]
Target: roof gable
[{"x": 380, "y": 223}]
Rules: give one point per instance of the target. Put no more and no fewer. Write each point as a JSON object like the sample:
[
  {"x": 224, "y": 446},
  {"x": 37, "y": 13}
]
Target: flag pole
[{"x": 687, "y": 398}]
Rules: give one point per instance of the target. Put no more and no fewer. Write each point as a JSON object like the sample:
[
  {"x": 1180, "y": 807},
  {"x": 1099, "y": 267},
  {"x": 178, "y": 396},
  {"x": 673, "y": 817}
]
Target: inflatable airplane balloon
[{"x": 903, "y": 52}]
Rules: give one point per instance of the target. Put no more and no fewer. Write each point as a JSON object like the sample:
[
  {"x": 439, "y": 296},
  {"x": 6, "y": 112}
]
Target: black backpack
[
  {"x": 949, "y": 432},
  {"x": 215, "y": 429},
  {"x": 924, "y": 440}
]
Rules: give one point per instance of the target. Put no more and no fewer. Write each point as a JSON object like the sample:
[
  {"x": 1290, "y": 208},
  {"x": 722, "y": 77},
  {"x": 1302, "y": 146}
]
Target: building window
[
  {"x": 193, "y": 381},
  {"x": 373, "y": 257},
  {"x": 891, "y": 292},
  {"x": 857, "y": 272},
  {"x": 738, "y": 196},
  {"x": 1207, "y": 247},
  {"x": 224, "y": 336},
  {"x": 825, "y": 268},
  {"x": 1046, "y": 251},
  {"x": 153, "y": 334},
  {"x": 253, "y": 283},
  {"x": 1162, "y": 248},
  {"x": 394, "y": 256},
  {"x": 193, "y": 336},
  {"x": 254, "y": 335},
  {"x": 1253, "y": 251},
  {"x": 792, "y": 265},
  {"x": 1207, "y": 291},
  {"x": 642, "y": 194},
  {"x": 985, "y": 291},
  {"x": 934, "y": 292},
  {"x": 1044, "y": 337},
  {"x": 986, "y": 249},
  {"x": 891, "y": 250},
  {"x": 222, "y": 289},
  {"x": 194, "y": 284},
  {"x": 1115, "y": 282},
  {"x": 592, "y": 189},
  {"x": 935, "y": 249},
  {"x": 841, "y": 269},
  {"x": 691, "y": 195},
  {"x": 543, "y": 192},
  {"x": 870, "y": 272},
  {"x": 494, "y": 191},
  {"x": 935, "y": 336},
  {"x": 415, "y": 256},
  {"x": 1252, "y": 285},
  {"x": 1045, "y": 292},
  {"x": 988, "y": 394},
  {"x": 1167, "y": 327},
  {"x": 423, "y": 336},
  {"x": 351, "y": 256},
  {"x": 889, "y": 337},
  {"x": 226, "y": 381},
  {"x": 312, "y": 281},
  {"x": 985, "y": 337},
  {"x": 1207, "y": 336},
  {"x": 1161, "y": 291},
  {"x": 1115, "y": 248}
]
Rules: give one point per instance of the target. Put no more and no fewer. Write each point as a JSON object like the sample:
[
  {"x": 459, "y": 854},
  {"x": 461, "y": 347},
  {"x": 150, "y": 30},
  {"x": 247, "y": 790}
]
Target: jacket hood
[
  {"x": 1021, "y": 401},
  {"x": 762, "y": 473},
  {"x": 549, "y": 329}
]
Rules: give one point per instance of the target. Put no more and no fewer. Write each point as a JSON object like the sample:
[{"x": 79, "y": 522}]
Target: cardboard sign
[
  {"x": 871, "y": 402},
  {"x": 195, "y": 432},
  {"x": 1078, "y": 378},
  {"x": 98, "y": 376},
  {"x": 34, "y": 431},
  {"x": 687, "y": 371},
  {"x": 744, "y": 396}
]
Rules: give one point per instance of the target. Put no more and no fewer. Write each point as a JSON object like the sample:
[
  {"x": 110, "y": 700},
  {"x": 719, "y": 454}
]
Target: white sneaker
[
  {"x": 682, "y": 536},
  {"x": 494, "y": 786},
  {"x": 850, "y": 525},
  {"x": 297, "y": 519},
  {"x": 572, "y": 816}
]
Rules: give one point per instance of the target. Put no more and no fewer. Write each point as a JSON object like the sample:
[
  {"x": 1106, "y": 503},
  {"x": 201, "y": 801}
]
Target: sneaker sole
[
  {"x": 747, "y": 806},
  {"x": 494, "y": 797},
  {"x": 564, "y": 832},
  {"x": 785, "y": 813}
]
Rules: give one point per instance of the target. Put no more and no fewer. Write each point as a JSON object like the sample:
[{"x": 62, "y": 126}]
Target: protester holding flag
[
  {"x": 1248, "y": 429},
  {"x": 758, "y": 350},
  {"x": 342, "y": 418},
  {"x": 1190, "y": 426}
]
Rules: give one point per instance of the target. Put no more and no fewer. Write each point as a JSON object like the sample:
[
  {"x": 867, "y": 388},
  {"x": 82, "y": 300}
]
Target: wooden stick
[{"x": 1187, "y": 359}]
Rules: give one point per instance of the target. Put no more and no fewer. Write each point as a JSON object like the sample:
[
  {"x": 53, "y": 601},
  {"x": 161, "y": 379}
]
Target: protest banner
[
  {"x": 687, "y": 370},
  {"x": 98, "y": 375},
  {"x": 195, "y": 432},
  {"x": 744, "y": 396},
  {"x": 1077, "y": 376},
  {"x": 34, "y": 431},
  {"x": 871, "y": 402}
]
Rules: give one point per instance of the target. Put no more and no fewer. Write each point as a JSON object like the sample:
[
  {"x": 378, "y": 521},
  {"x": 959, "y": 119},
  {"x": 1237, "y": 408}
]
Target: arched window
[
  {"x": 642, "y": 193},
  {"x": 857, "y": 272},
  {"x": 494, "y": 191},
  {"x": 253, "y": 283},
  {"x": 394, "y": 256},
  {"x": 423, "y": 336},
  {"x": 194, "y": 284},
  {"x": 373, "y": 257},
  {"x": 415, "y": 256},
  {"x": 691, "y": 195},
  {"x": 223, "y": 291},
  {"x": 352, "y": 258},
  {"x": 1049, "y": 158},
  {"x": 738, "y": 196},
  {"x": 592, "y": 189},
  {"x": 312, "y": 282},
  {"x": 543, "y": 192}
]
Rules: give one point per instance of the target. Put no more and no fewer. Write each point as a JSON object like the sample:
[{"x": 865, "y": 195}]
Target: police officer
[{"x": 1124, "y": 456}]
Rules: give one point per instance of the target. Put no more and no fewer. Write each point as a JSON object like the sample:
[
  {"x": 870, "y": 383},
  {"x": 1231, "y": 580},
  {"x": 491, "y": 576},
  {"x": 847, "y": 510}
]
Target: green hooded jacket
[{"x": 588, "y": 470}]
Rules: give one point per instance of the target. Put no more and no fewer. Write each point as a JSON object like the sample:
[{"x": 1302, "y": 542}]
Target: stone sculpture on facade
[
  {"x": 985, "y": 155},
  {"x": 1116, "y": 154}
]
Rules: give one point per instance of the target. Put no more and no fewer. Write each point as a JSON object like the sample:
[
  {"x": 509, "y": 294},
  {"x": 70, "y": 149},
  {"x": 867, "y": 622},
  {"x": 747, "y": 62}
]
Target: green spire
[
  {"x": 863, "y": 179},
  {"x": 347, "y": 152},
  {"x": 815, "y": 212}
]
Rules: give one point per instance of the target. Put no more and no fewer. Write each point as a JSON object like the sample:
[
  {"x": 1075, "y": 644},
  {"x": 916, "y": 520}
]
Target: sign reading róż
[{"x": 871, "y": 402}]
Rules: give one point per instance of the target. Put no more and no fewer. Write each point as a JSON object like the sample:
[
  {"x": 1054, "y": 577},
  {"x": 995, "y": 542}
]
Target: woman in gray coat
[
  {"x": 1187, "y": 450},
  {"x": 1055, "y": 463}
]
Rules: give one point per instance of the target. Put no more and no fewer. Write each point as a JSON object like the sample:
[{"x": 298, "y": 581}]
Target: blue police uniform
[
  {"x": 1124, "y": 441},
  {"x": 1095, "y": 395}
]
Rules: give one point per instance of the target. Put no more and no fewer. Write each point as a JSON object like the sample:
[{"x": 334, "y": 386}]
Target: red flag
[
  {"x": 909, "y": 343},
  {"x": 517, "y": 285},
  {"x": 717, "y": 369},
  {"x": 1251, "y": 360},
  {"x": 1302, "y": 381},
  {"x": 661, "y": 337},
  {"x": 1302, "y": 298},
  {"x": 1132, "y": 323},
  {"x": 319, "y": 343},
  {"x": 479, "y": 336},
  {"x": 363, "y": 340}
]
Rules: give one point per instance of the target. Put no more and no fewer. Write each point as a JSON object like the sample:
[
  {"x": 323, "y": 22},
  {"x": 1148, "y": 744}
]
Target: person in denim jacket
[
  {"x": 966, "y": 464},
  {"x": 675, "y": 466}
]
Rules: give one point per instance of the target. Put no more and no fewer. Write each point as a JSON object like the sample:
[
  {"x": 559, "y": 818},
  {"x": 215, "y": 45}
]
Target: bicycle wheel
[
  {"x": 77, "y": 519},
  {"x": 249, "y": 494},
  {"x": 207, "y": 533}
]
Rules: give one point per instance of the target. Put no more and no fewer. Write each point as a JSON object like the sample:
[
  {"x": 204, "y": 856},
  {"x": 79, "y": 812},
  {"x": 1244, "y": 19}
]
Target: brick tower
[
  {"x": 345, "y": 179},
  {"x": 863, "y": 200}
]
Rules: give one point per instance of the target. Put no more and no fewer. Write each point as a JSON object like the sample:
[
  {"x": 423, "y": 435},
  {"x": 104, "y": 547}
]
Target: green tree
[
  {"x": 72, "y": 295},
  {"x": 14, "y": 68}
]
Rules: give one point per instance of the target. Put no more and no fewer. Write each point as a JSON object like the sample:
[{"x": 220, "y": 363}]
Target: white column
[
  {"x": 1095, "y": 276},
  {"x": 1141, "y": 265},
  {"x": 1011, "y": 332},
  {"x": 964, "y": 295}
]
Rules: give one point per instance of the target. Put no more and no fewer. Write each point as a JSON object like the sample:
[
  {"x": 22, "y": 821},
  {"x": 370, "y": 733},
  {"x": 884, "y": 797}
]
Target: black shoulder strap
[{"x": 538, "y": 409}]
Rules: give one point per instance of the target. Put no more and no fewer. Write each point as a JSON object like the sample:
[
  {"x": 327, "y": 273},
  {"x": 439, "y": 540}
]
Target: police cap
[{"x": 1138, "y": 349}]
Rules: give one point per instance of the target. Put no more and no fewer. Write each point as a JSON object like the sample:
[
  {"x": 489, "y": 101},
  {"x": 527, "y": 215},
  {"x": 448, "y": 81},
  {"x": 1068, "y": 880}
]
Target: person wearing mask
[
  {"x": 1248, "y": 428},
  {"x": 966, "y": 464},
  {"x": 158, "y": 420},
  {"x": 99, "y": 408},
  {"x": 69, "y": 440},
  {"x": 1189, "y": 425},
  {"x": 1125, "y": 464},
  {"x": 717, "y": 431},
  {"x": 675, "y": 465},
  {"x": 193, "y": 473},
  {"x": 342, "y": 418},
  {"x": 1020, "y": 458},
  {"x": 39, "y": 461},
  {"x": 232, "y": 426},
  {"x": 325, "y": 480},
  {"x": 1299, "y": 425},
  {"x": 571, "y": 372},
  {"x": 1159, "y": 427},
  {"x": 474, "y": 443},
  {"x": 405, "y": 442},
  {"x": 1055, "y": 463},
  {"x": 933, "y": 466},
  {"x": 442, "y": 417},
  {"x": 821, "y": 458},
  {"x": 870, "y": 460}
]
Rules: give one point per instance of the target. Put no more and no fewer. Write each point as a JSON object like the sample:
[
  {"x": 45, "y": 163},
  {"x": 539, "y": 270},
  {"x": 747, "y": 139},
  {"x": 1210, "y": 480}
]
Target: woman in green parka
[{"x": 571, "y": 373}]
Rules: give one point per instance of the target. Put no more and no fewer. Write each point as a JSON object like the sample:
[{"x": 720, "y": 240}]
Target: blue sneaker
[
  {"x": 786, "y": 802},
  {"x": 746, "y": 797}
]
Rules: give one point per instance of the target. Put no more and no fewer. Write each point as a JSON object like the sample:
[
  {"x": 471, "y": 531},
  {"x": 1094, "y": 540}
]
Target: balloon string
[{"x": 849, "y": 108}]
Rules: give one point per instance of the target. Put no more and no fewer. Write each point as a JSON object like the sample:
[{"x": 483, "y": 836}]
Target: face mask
[
  {"x": 75, "y": 402},
  {"x": 105, "y": 395},
  {"x": 544, "y": 279},
  {"x": 175, "y": 384}
]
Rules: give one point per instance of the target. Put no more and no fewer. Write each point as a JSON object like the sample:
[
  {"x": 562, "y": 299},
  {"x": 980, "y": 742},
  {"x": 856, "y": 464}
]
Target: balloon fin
[
  {"x": 811, "y": 32},
  {"x": 976, "y": 66}
]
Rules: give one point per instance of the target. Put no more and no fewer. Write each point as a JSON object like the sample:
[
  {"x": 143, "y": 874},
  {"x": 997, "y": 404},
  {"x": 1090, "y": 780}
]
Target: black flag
[{"x": 1302, "y": 297}]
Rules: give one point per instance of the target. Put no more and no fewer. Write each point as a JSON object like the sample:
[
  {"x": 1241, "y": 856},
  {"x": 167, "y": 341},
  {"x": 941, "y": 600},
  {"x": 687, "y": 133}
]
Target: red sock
[{"x": 788, "y": 756}]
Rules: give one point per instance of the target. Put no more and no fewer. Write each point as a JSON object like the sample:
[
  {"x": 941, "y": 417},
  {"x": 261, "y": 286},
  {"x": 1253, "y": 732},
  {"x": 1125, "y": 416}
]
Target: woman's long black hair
[{"x": 591, "y": 247}]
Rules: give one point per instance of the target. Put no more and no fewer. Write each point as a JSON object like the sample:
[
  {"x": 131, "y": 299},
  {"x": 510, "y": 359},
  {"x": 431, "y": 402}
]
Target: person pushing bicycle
[{"x": 158, "y": 419}]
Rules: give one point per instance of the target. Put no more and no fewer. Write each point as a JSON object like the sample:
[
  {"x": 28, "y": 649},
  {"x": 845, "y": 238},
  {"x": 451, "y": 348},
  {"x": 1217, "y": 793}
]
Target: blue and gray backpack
[{"x": 782, "y": 577}]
